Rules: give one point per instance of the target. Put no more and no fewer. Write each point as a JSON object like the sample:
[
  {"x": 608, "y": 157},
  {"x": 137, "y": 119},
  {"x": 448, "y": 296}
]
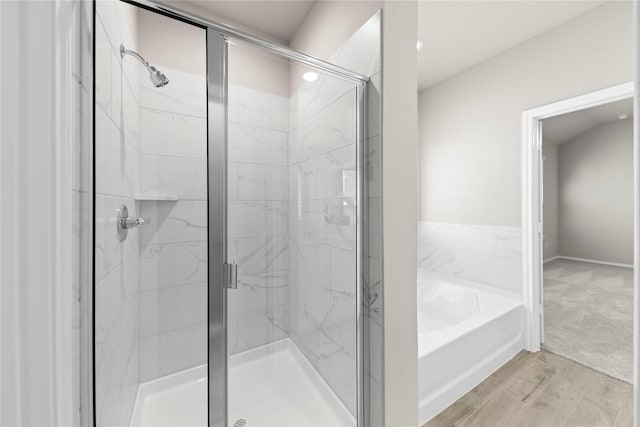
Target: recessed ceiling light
[
  {"x": 419, "y": 44},
  {"x": 310, "y": 76},
  {"x": 623, "y": 116}
]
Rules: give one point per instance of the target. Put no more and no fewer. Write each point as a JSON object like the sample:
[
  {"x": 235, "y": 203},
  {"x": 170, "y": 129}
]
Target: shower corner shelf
[{"x": 156, "y": 197}]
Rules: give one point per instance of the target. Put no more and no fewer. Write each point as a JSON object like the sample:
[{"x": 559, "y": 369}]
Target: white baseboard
[{"x": 594, "y": 261}]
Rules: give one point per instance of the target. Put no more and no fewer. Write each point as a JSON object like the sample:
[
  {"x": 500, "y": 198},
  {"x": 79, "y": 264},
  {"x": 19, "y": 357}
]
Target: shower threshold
[{"x": 272, "y": 385}]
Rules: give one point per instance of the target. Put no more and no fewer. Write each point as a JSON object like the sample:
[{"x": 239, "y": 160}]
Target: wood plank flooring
[{"x": 542, "y": 390}]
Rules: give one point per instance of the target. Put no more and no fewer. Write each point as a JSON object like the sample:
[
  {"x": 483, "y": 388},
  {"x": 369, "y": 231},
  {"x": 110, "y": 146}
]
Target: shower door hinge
[{"x": 231, "y": 275}]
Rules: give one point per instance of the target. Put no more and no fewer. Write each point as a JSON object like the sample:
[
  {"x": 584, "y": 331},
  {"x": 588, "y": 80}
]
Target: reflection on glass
[{"x": 292, "y": 231}]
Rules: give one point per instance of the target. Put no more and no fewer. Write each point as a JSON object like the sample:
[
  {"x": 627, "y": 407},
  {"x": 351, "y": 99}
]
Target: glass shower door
[
  {"x": 226, "y": 230},
  {"x": 292, "y": 232}
]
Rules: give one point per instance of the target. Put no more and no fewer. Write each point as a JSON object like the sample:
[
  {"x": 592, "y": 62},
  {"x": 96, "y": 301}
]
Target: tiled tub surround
[
  {"x": 486, "y": 254},
  {"x": 173, "y": 246},
  {"x": 117, "y": 174}
]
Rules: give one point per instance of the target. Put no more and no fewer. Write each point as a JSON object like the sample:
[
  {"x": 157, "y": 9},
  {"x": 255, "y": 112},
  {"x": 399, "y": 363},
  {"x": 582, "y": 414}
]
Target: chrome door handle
[{"x": 231, "y": 275}]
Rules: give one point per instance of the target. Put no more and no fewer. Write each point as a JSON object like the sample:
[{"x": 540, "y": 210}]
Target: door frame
[
  {"x": 532, "y": 259},
  {"x": 217, "y": 356}
]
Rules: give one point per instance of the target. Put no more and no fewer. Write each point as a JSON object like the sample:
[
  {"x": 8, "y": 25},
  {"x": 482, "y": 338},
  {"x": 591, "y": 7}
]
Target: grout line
[
  {"x": 173, "y": 156},
  {"x": 246, "y": 125},
  {"x": 179, "y": 242},
  {"x": 316, "y": 113},
  {"x": 173, "y": 113}
]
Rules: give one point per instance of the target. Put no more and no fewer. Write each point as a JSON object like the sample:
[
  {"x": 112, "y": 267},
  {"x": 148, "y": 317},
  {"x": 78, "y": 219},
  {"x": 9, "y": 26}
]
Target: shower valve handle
[
  {"x": 134, "y": 222},
  {"x": 124, "y": 223}
]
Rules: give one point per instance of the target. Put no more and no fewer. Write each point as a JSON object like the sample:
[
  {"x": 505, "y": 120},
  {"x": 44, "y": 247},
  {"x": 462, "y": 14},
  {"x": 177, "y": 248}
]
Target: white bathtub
[{"x": 466, "y": 331}]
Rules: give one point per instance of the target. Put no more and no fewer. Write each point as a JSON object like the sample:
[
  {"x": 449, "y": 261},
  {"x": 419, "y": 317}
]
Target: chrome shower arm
[
  {"x": 135, "y": 54},
  {"x": 157, "y": 77}
]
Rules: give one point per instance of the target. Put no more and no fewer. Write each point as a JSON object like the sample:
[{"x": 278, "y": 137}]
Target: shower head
[{"x": 157, "y": 77}]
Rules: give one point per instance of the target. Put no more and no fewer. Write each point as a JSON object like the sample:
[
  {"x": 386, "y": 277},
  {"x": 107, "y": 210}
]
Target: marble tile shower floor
[
  {"x": 588, "y": 315},
  {"x": 273, "y": 385}
]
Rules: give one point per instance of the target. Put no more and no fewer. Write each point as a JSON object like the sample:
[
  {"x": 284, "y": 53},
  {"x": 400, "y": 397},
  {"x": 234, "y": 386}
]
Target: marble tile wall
[
  {"x": 173, "y": 247},
  {"x": 322, "y": 231},
  {"x": 487, "y": 254},
  {"x": 117, "y": 151},
  {"x": 258, "y": 193}
]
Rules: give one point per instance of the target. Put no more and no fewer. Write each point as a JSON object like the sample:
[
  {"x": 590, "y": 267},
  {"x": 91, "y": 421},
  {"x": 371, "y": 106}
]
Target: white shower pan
[{"x": 264, "y": 380}]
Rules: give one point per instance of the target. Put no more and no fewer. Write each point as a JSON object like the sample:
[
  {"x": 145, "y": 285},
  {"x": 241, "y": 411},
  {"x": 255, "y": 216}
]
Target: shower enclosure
[{"x": 230, "y": 242}]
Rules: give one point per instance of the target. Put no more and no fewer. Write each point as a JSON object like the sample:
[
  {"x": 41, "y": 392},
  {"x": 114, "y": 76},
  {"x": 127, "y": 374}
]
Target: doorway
[
  {"x": 566, "y": 296},
  {"x": 587, "y": 229}
]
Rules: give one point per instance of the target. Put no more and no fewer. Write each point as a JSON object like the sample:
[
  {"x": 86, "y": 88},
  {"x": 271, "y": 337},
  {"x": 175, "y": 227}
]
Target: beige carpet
[{"x": 588, "y": 315}]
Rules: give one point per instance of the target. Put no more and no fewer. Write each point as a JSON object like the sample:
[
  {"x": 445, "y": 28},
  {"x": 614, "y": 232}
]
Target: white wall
[
  {"x": 551, "y": 217},
  {"x": 28, "y": 375},
  {"x": 172, "y": 43},
  {"x": 470, "y": 124},
  {"x": 595, "y": 187},
  {"x": 253, "y": 68},
  {"x": 244, "y": 59},
  {"x": 316, "y": 37},
  {"x": 399, "y": 189},
  {"x": 42, "y": 192},
  {"x": 182, "y": 47}
]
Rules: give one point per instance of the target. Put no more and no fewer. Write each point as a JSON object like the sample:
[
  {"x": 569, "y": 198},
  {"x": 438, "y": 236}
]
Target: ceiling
[
  {"x": 460, "y": 34},
  {"x": 456, "y": 34},
  {"x": 564, "y": 128},
  {"x": 278, "y": 19}
]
